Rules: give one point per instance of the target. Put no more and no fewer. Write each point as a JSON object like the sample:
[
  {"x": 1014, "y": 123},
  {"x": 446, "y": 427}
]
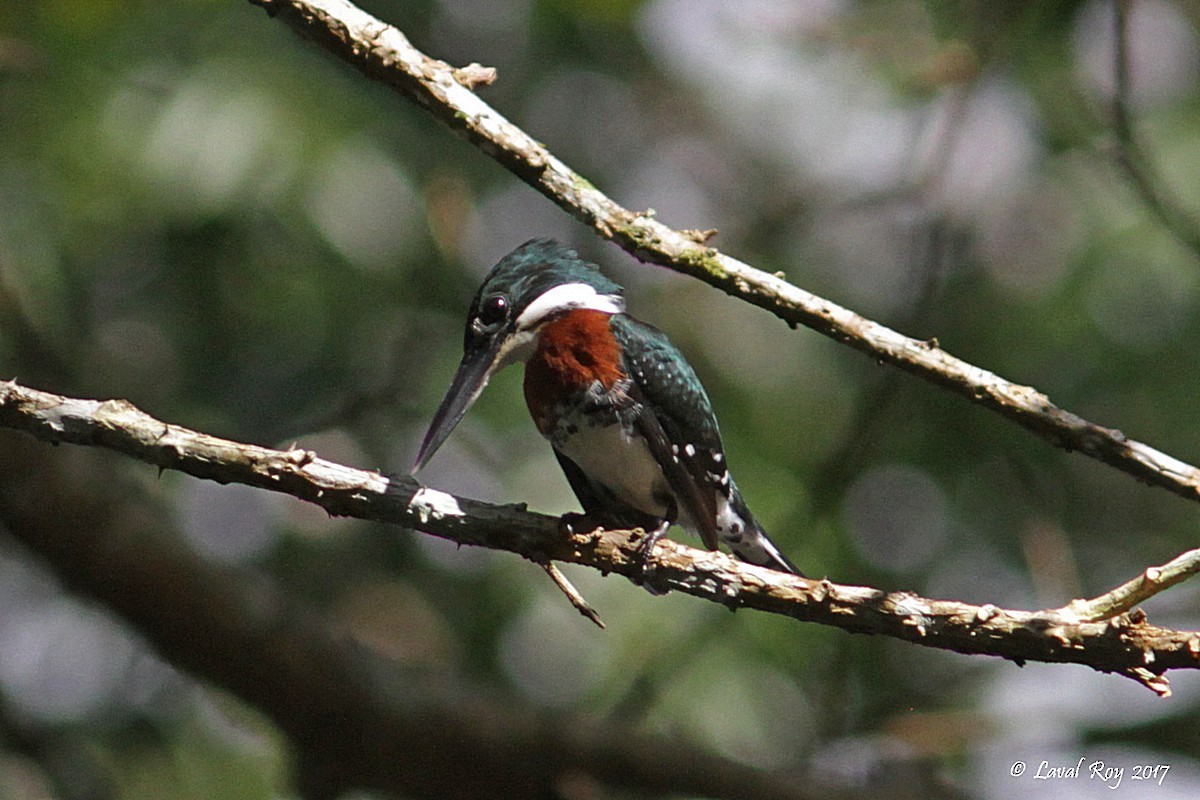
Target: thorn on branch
[
  {"x": 1159, "y": 684},
  {"x": 474, "y": 75},
  {"x": 986, "y": 613},
  {"x": 699, "y": 235}
]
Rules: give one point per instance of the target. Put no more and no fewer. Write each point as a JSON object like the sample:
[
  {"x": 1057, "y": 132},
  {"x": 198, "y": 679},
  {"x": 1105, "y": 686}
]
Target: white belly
[{"x": 622, "y": 463}]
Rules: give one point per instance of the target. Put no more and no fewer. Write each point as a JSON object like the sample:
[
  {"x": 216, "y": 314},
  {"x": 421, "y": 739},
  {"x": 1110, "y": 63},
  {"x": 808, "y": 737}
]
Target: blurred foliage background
[{"x": 208, "y": 216}]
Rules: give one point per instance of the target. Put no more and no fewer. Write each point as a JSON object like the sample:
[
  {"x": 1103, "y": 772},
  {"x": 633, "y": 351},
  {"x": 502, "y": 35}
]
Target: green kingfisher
[{"x": 628, "y": 420}]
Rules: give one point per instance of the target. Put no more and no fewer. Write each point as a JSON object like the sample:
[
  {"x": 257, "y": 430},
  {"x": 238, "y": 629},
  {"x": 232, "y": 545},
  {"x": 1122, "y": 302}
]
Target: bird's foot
[{"x": 642, "y": 555}]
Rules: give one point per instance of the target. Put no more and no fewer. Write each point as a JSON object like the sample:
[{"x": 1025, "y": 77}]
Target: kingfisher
[{"x": 626, "y": 416}]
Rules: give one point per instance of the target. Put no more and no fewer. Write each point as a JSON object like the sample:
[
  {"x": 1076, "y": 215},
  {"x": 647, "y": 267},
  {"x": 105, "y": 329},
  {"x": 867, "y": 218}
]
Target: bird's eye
[{"x": 493, "y": 311}]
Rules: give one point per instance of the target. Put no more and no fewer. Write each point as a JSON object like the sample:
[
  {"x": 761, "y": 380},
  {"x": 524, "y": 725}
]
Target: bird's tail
[
  {"x": 752, "y": 544},
  {"x": 757, "y": 548}
]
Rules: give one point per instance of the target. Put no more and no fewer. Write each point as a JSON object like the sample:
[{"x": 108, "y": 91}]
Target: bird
[{"x": 628, "y": 420}]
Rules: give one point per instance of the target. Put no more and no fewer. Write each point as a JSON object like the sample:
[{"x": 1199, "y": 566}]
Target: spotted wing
[{"x": 676, "y": 418}]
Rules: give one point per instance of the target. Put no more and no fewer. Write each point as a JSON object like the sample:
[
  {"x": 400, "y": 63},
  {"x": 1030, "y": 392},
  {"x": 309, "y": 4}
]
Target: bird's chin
[{"x": 517, "y": 348}]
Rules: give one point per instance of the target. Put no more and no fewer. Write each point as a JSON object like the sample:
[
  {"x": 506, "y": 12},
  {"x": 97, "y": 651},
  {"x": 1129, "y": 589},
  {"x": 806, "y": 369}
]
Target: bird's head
[{"x": 537, "y": 282}]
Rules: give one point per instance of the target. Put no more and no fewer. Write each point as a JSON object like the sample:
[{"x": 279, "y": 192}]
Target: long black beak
[{"x": 470, "y": 378}]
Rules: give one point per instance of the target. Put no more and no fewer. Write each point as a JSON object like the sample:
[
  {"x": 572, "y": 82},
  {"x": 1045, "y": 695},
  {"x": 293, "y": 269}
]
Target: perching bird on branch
[{"x": 629, "y": 422}]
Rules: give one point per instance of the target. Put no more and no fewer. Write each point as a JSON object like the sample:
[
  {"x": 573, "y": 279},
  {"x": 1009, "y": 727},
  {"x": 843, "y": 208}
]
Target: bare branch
[
  {"x": 1142, "y": 588},
  {"x": 383, "y": 53},
  {"x": 1131, "y": 647},
  {"x": 572, "y": 594}
]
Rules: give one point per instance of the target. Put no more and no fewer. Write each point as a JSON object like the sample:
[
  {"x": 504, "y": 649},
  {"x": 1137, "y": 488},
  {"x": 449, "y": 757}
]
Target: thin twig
[
  {"x": 383, "y": 53},
  {"x": 1129, "y": 647},
  {"x": 568, "y": 588},
  {"x": 1143, "y": 587}
]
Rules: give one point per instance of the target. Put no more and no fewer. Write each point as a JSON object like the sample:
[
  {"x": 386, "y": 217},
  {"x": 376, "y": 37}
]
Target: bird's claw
[{"x": 643, "y": 559}]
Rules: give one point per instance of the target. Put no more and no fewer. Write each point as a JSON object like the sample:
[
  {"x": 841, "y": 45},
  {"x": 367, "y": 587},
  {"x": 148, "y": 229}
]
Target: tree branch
[
  {"x": 355, "y": 719},
  {"x": 572, "y": 594},
  {"x": 1139, "y": 590},
  {"x": 383, "y": 53},
  {"x": 1125, "y": 645}
]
